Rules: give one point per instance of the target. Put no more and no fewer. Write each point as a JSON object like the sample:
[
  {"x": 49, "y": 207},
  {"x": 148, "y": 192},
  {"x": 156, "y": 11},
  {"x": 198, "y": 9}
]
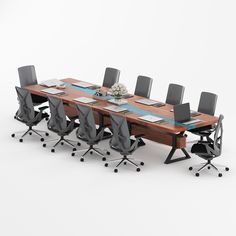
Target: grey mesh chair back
[
  {"x": 207, "y": 103},
  {"x": 218, "y": 137},
  {"x": 175, "y": 94},
  {"x": 27, "y": 75},
  {"x": 57, "y": 121},
  {"x": 26, "y": 109},
  {"x": 111, "y": 77},
  {"x": 121, "y": 135},
  {"x": 87, "y": 128},
  {"x": 143, "y": 86}
]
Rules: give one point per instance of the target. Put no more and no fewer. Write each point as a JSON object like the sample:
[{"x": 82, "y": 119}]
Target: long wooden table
[{"x": 167, "y": 133}]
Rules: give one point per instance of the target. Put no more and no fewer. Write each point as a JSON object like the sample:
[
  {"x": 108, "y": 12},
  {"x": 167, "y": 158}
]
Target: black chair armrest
[{"x": 43, "y": 108}]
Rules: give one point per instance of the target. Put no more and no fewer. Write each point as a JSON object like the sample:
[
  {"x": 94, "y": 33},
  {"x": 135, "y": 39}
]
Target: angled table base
[{"x": 170, "y": 160}]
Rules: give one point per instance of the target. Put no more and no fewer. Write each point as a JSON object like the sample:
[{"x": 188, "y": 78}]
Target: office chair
[
  {"x": 122, "y": 143},
  {"x": 175, "y": 94},
  {"x": 111, "y": 77},
  {"x": 143, "y": 86},
  {"x": 207, "y": 105},
  {"x": 88, "y": 132},
  {"x": 210, "y": 149},
  {"x": 27, "y": 115},
  {"x": 27, "y": 76},
  {"x": 59, "y": 124}
]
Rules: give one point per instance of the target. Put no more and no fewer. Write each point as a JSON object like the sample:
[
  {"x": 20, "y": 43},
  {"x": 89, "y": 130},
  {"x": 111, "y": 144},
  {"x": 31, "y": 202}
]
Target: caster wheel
[
  {"x": 30, "y": 133},
  {"x": 62, "y": 143},
  {"x": 78, "y": 144},
  {"x": 115, "y": 170},
  {"x": 138, "y": 169},
  {"x": 208, "y": 167},
  {"x": 197, "y": 174},
  {"x": 44, "y": 145},
  {"x": 190, "y": 168},
  {"x": 82, "y": 159},
  {"x": 226, "y": 168},
  {"x": 72, "y": 154},
  {"x": 91, "y": 152},
  {"x": 74, "y": 149},
  {"x": 53, "y": 150},
  {"x": 108, "y": 153},
  {"x": 42, "y": 139},
  {"x": 220, "y": 175},
  {"x": 106, "y": 165},
  {"x": 13, "y": 135},
  {"x": 104, "y": 158},
  {"x": 46, "y": 118},
  {"x": 142, "y": 163},
  {"x": 125, "y": 162},
  {"x": 21, "y": 140},
  {"x": 47, "y": 134}
]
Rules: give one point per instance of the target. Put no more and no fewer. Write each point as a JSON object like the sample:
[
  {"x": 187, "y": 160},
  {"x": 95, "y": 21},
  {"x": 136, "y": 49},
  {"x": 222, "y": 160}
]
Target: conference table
[{"x": 166, "y": 132}]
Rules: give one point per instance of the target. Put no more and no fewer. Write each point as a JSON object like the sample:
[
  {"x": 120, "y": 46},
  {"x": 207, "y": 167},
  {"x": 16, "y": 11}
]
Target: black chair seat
[
  {"x": 38, "y": 99},
  {"x": 200, "y": 148},
  {"x": 202, "y": 129}
]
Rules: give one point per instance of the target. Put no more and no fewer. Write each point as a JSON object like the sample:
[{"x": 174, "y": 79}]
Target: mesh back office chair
[
  {"x": 59, "y": 124},
  {"x": 210, "y": 149},
  {"x": 27, "y": 115},
  {"x": 175, "y": 94},
  {"x": 122, "y": 143},
  {"x": 207, "y": 105},
  {"x": 27, "y": 76},
  {"x": 143, "y": 86},
  {"x": 88, "y": 132},
  {"x": 111, "y": 77}
]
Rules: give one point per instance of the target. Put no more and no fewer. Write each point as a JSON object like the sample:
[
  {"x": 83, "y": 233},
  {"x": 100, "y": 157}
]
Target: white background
[{"x": 187, "y": 42}]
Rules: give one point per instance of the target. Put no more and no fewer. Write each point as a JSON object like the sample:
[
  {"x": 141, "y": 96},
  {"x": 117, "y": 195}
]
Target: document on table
[
  {"x": 53, "y": 91},
  {"x": 146, "y": 101},
  {"x": 192, "y": 121},
  {"x": 83, "y": 84},
  {"x": 115, "y": 108},
  {"x": 150, "y": 118},
  {"x": 85, "y": 100},
  {"x": 52, "y": 83}
]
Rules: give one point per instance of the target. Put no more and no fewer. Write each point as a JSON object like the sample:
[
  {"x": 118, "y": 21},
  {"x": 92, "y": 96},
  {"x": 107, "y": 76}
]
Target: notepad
[
  {"x": 150, "y": 118},
  {"x": 82, "y": 84},
  {"x": 118, "y": 101},
  {"x": 53, "y": 91},
  {"x": 52, "y": 83},
  {"x": 84, "y": 100},
  {"x": 192, "y": 121},
  {"x": 146, "y": 101},
  {"x": 115, "y": 108}
]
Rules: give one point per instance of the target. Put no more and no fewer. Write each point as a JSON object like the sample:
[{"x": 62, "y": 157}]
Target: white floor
[
  {"x": 44, "y": 193},
  {"x": 191, "y": 43}
]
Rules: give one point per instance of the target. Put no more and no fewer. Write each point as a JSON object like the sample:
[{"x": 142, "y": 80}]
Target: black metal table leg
[
  {"x": 169, "y": 157},
  {"x": 170, "y": 160}
]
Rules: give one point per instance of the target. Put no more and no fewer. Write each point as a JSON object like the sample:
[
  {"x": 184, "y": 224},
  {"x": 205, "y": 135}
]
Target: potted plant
[{"x": 118, "y": 90}]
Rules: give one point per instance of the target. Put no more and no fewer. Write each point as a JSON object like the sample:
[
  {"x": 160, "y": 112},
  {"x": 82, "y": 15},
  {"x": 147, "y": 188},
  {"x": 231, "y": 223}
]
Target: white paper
[
  {"x": 150, "y": 118},
  {"x": 82, "y": 84},
  {"x": 115, "y": 108},
  {"x": 191, "y": 121},
  {"x": 52, "y": 83},
  {"x": 85, "y": 100},
  {"x": 118, "y": 101},
  {"x": 146, "y": 101},
  {"x": 52, "y": 91}
]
